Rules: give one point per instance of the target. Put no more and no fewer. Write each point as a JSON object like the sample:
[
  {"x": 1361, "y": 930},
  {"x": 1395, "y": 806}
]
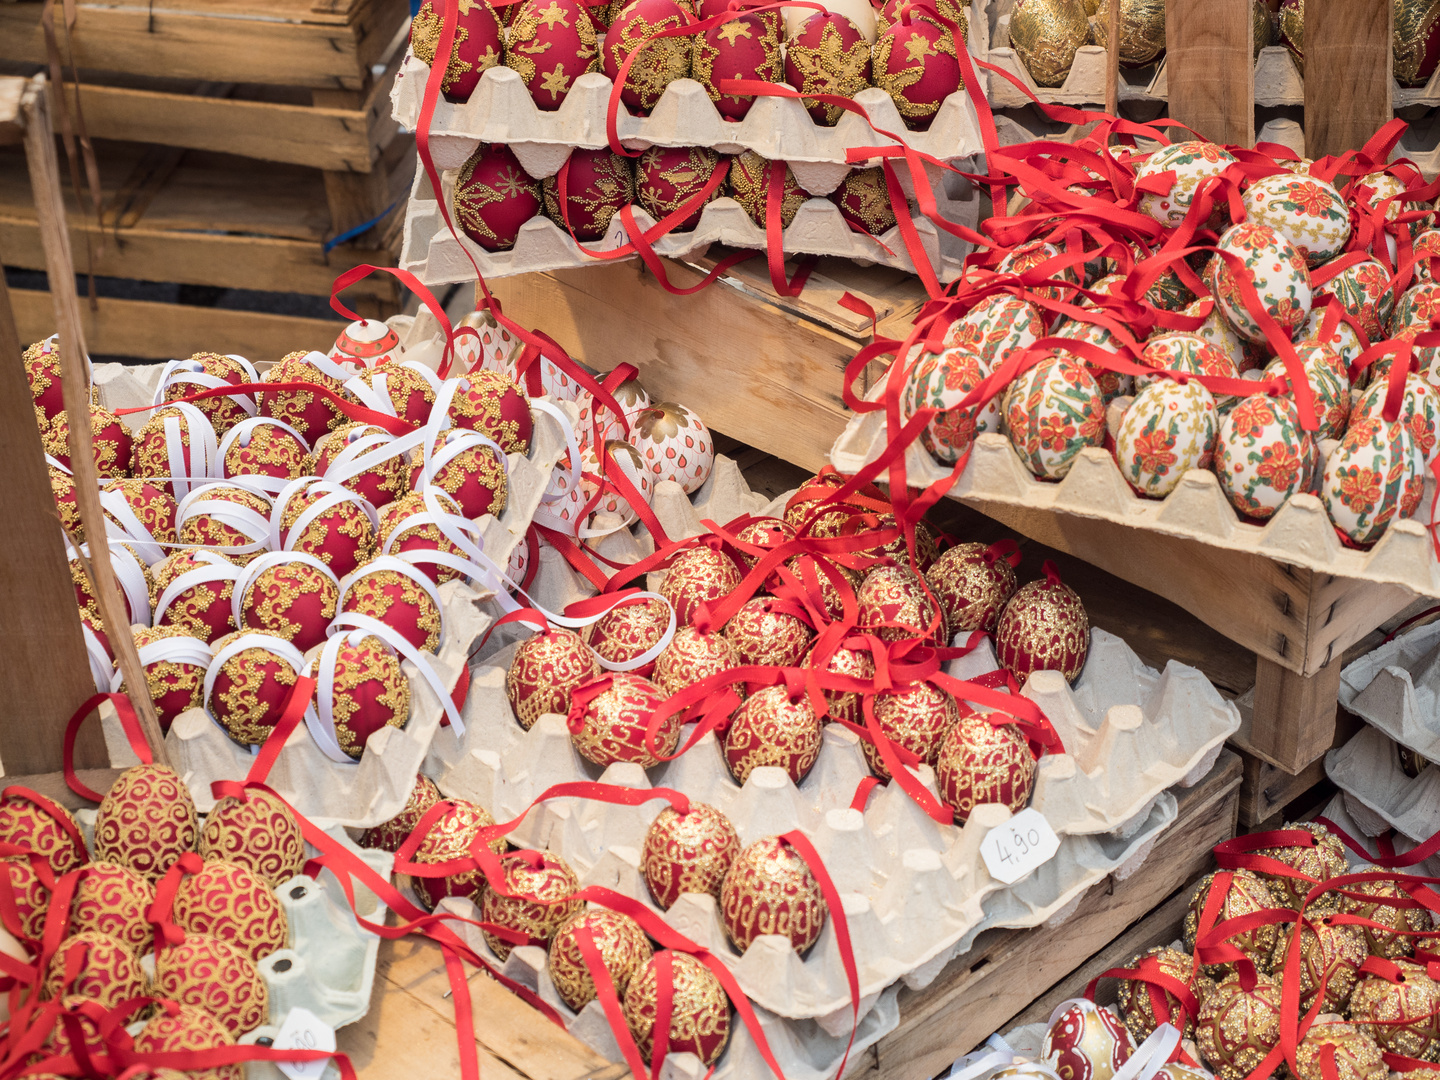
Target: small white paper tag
[
  {"x": 1018, "y": 846},
  {"x": 303, "y": 1030}
]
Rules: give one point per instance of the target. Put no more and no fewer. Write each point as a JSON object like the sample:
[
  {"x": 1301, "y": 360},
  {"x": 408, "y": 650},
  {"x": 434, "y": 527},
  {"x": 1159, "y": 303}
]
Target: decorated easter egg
[
  {"x": 1044, "y": 627},
  {"x": 597, "y": 184},
  {"x": 175, "y": 665},
  {"x": 249, "y": 683},
  {"x": 699, "y": 1012},
  {"x": 288, "y": 595},
  {"x": 1364, "y": 292},
  {"x": 1375, "y": 474},
  {"x": 1087, "y": 1042},
  {"x": 746, "y": 47},
  {"x": 895, "y": 605},
  {"x": 913, "y": 60},
  {"x": 1330, "y": 955},
  {"x": 227, "y": 901},
  {"x": 828, "y": 54},
  {"x": 450, "y": 836},
  {"x": 1142, "y": 29},
  {"x": 368, "y": 343},
  {"x": 1399, "y": 1015},
  {"x": 599, "y": 421},
  {"x": 1319, "y": 860},
  {"x": 1308, "y": 212},
  {"x": 698, "y": 575},
  {"x": 1261, "y": 455},
  {"x": 971, "y": 583},
  {"x": 188, "y": 1028},
  {"x": 550, "y": 44},
  {"x": 846, "y": 705},
  {"x": 1138, "y": 1002},
  {"x": 598, "y": 484},
  {"x": 1416, "y": 40},
  {"x": 771, "y": 728},
  {"x": 263, "y": 447},
  {"x": 1326, "y": 378},
  {"x": 1237, "y": 1028},
  {"x": 362, "y": 458},
  {"x": 998, "y": 326},
  {"x": 1052, "y": 412},
  {"x": 421, "y": 528},
  {"x": 623, "y": 947},
  {"x": 322, "y": 519},
  {"x": 216, "y": 976},
  {"x": 231, "y": 520},
  {"x": 1217, "y": 331},
  {"x": 1024, "y": 260},
  {"x": 31, "y": 897},
  {"x": 668, "y": 178},
  {"x": 1245, "y": 893},
  {"x": 915, "y": 717},
  {"x": 629, "y": 630},
  {"x": 612, "y": 725},
  {"x": 1345, "y": 1051},
  {"x": 257, "y": 831},
  {"x": 659, "y": 63},
  {"x": 45, "y": 828},
  {"x": 688, "y": 853},
  {"x": 1390, "y": 938},
  {"x": 146, "y": 821},
  {"x": 1419, "y": 412},
  {"x": 42, "y": 371},
  {"x": 475, "y": 48},
  {"x": 113, "y": 446},
  {"x": 767, "y": 631},
  {"x": 1277, "y": 271},
  {"x": 693, "y": 656},
  {"x": 211, "y": 371},
  {"x": 674, "y": 444},
  {"x": 195, "y": 592},
  {"x": 95, "y": 966},
  {"x": 1414, "y": 312},
  {"x": 113, "y": 899},
  {"x": 176, "y": 447},
  {"x": 546, "y": 670},
  {"x": 143, "y": 511},
  {"x": 494, "y": 196},
  {"x": 544, "y": 886},
  {"x": 359, "y": 689},
  {"x": 823, "y": 582},
  {"x": 1192, "y": 162},
  {"x": 864, "y": 201},
  {"x": 468, "y": 469},
  {"x": 309, "y": 413},
  {"x": 494, "y": 405},
  {"x": 389, "y": 835},
  {"x": 943, "y": 381},
  {"x": 1425, "y": 250},
  {"x": 1168, "y": 429},
  {"x": 395, "y": 593},
  {"x": 1046, "y": 34},
  {"x": 749, "y": 184},
  {"x": 770, "y": 890}
]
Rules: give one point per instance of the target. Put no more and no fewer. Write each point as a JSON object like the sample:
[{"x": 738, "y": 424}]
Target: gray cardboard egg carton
[
  {"x": 1396, "y": 688},
  {"x": 1300, "y": 533},
  {"x": 1364, "y": 830},
  {"x": 1378, "y": 793},
  {"x": 437, "y": 256}
]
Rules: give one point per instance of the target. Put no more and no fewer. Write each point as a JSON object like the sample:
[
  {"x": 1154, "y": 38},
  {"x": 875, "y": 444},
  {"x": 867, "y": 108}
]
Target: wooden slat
[
  {"x": 1209, "y": 67},
  {"x": 184, "y": 44},
  {"x": 321, "y": 12},
  {"x": 156, "y": 331},
  {"x": 12, "y": 88},
  {"x": 1348, "y": 64},
  {"x": 1007, "y": 970}
]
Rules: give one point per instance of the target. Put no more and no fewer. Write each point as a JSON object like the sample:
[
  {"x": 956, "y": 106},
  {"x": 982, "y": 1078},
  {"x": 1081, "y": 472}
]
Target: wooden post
[
  {"x": 1210, "y": 68},
  {"x": 1112, "y": 59},
  {"x": 1294, "y": 714},
  {"x": 50, "y": 212},
  {"x": 1349, "y": 65}
]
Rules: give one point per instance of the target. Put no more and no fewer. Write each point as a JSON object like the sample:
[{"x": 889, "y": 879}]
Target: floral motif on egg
[
  {"x": 996, "y": 327},
  {"x": 1027, "y": 257},
  {"x": 1329, "y": 388},
  {"x": 1261, "y": 455},
  {"x": 1372, "y": 476},
  {"x": 1419, "y": 412},
  {"x": 1280, "y": 276},
  {"x": 1192, "y": 163},
  {"x": 1052, "y": 412},
  {"x": 1364, "y": 292},
  {"x": 942, "y": 381},
  {"x": 1308, "y": 212},
  {"x": 1168, "y": 429}
]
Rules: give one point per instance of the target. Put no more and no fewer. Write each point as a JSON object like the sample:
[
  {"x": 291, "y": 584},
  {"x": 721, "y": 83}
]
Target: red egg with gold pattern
[
  {"x": 749, "y": 183},
  {"x": 214, "y": 975},
  {"x": 550, "y": 44},
  {"x": 42, "y": 372},
  {"x": 746, "y": 47},
  {"x": 263, "y": 449},
  {"x": 473, "y": 476},
  {"x": 972, "y": 584},
  {"x": 407, "y": 533},
  {"x": 62, "y": 487},
  {"x": 629, "y": 630},
  {"x": 916, "y": 717},
  {"x": 699, "y": 1008},
  {"x": 227, "y": 901},
  {"x": 221, "y": 517},
  {"x": 546, "y": 670},
  {"x": 545, "y": 900},
  {"x": 494, "y": 405},
  {"x": 290, "y": 598},
  {"x": 698, "y": 575},
  {"x": 688, "y": 853},
  {"x": 201, "y": 604},
  {"x": 223, "y": 411},
  {"x": 1337, "y": 1048},
  {"x": 763, "y": 533},
  {"x": 114, "y": 446},
  {"x": 376, "y": 474},
  {"x": 669, "y": 177},
  {"x": 770, "y": 890},
  {"x": 188, "y": 1029},
  {"x": 155, "y": 455},
  {"x": 309, "y": 413},
  {"x": 475, "y": 48},
  {"x": 983, "y": 762},
  {"x": 1246, "y": 894},
  {"x": 769, "y": 728},
  {"x": 368, "y": 690},
  {"x": 864, "y": 201},
  {"x": 764, "y": 631},
  {"x": 827, "y": 55},
  {"x": 1400, "y": 1015},
  {"x": 613, "y": 724},
  {"x": 1043, "y": 628},
  {"x": 598, "y": 183},
  {"x": 146, "y": 821},
  {"x": 1330, "y": 955},
  {"x": 394, "y": 593},
  {"x": 94, "y": 966},
  {"x": 252, "y": 687},
  {"x": 823, "y": 582},
  {"x": 846, "y": 705},
  {"x": 914, "y": 62},
  {"x": 409, "y": 392},
  {"x": 339, "y": 532},
  {"x": 494, "y": 196},
  {"x": 389, "y": 835},
  {"x": 693, "y": 656},
  {"x": 659, "y": 63},
  {"x": 151, "y": 506},
  {"x": 895, "y": 606},
  {"x": 50, "y": 831},
  {"x": 258, "y": 831},
  {"x": 623, "y": 947},
  {"x": 113, "y": 899},
  {"x": 31, "y": 897},
  {"x": 450, "y": 837}
]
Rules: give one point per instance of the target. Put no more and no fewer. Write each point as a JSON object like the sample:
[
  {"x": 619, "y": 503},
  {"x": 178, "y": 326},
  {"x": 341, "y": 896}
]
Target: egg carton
[
  {"x": 1396, "y": 687},
  {"x": 1300, "y": 533},
  {"x": 437, "y": 256},
  {"x": 500, "y": 110},
  {"x": 1378, "y": 793},
  {"x": 1338, "y": 812}
]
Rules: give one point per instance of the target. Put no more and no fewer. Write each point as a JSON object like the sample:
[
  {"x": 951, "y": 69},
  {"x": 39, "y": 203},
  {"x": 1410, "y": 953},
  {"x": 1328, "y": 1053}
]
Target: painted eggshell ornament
[
  {"x": 257, "y": 831},
  {"x": 247, "y": 689},
  {"x": 982, "y": 761},
  {"x": 188, "y": 1029},
  {"x": 1245, "y": 894},
  {"x": 846, "y": 705},
  {"x": 308, "y": 413},
  {"x": 546, "y": 670},
  {"x": 612, "y": 725},
  {"x": 1308, "y": 212},
  {"x": 1192, "y": 162},
  {"x": 864, "y": 201},
  {"x": 971, "y": 582},
  {"x": 828, "y": 54},
  {"x": 495, "y": 405},
  {"x": 895, "y": 605},
  {"x": 1375, "y": 474},
  {"x": 1329, "y": 386},
  {"x": 623, "y": 947},
  {"x": 1044, "y": 627},
  {"x": 291, "y": 597},
  {"x": 1389, "y": 939},
  {"x": 747, "y": 47},
  {"x": 409, "y": 392},
  {"x": 368, "y": 343},
  {"x": 146, "y": 821},
  {"x": 771, "y": 729},
  {"x": 687, "y": 853},
  {"x": 1262, "y": 455},
  {"x": 194, "y": 592},
  {"x": 449, "y": 837},
  {"x": 471, "y": 472},
  {"x": 1087, "y": 1042},
  {"x": 1028, "y": 256},
  {"x": 408, "y": 532},
  {"x": 1046, "y": 34},
  {"x": 550, "y": 44},
  {"x": 699, "y": 575},
  {"x": 669, "y": 177},
  {"x": 476, "y": 46},
  {"x": 227, "y": 901},
  {"x": 231, "y": 520},
  {"x": 322, "y": 519},
  {"x": 1330, "y": 954},
  {"x": 1188, "y": 353},
  {"x": 674, "y": 444},
  {"x": 1340, "y": 1050},
  {"x": 113, "y": 899},
  {"x": 819, "y": 579},
  {"x": 94, "y": 966},
  {"x": 915, "y": 717},
  {"x": 597, "y": 184},
  {"x": 1425, "y": 250},
  {"x": 1399, "y": 1016},
  {"x": 1112, "y": 384},
  {"x": 1415, "y": 309},
  {"x": 176, "y": 444},
  {"x": 1419, "y": 411},
  {"x": 1279, "y": 274},
  {"x": 363, "y": 459},
  {"x": 263, "y": 448},
  {"x": 942, "y": 381},
  {"x": 749, "y": 184},
  {"x": 627, "y": 462},
  {"x": 693, "y": 656},
  {"x": 1236, "y": 1028},
  {"x": 1218, "y": 332},
  {"x": 494, "y": 196},
  {"x": 699, "y": 1008},
  {"x": 1168, "y": 429},
  {"x": 175, "y": 665},
  {"x": 770, "y": 890},
  {"x": 996, "y": 327},
  {"x": 629, "y": 630},
  {"x": 544, "y": 900},
  {"x": 213, "y": 975},
  {"x": 359, "y": 689},
  {"x": 1137, "y": 1002},
  {"x": 913, "y": 60},
  {"x": 395, "y": 593},
  {"x": 389, "y": 835},
  {"x": 47, "y": 830},
  {"x": 660, "y": 62},
  {"x": 207, "y": 371},
  {"x": 1364, "y": 292},
  {"x": 1052, "y": 412}
]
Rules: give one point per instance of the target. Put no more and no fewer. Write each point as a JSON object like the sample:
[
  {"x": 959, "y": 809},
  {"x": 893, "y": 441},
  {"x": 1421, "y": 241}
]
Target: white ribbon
[
  {"x": 130, "y": 576},
  {"x": 63, "y": 468},
  {"x": 646, "y": 656},
  {"x": 175, "y": 650},
  {"x": 203, "y": 450},
  {"x": 128, "y": 527},
  {"x": 241, "y": 433},
  {"x": 192, "y": 371},
  {"x": 279, "y": 646},
  {"x": 391, "y": 637},
  {"x": 323, "y": 364},
  {"x": 572, "y": 443},
  {"x": 102, "y": 668},
  {"x": 216, "y": 568},
  {"x": 365, "y": 451},
  {"x": 473, "y": 564},
  {"x": 332, "y": 495},
  {"x": 399, "y": 566},
  {"x": 255, "y": 567},
  {"x": 251, "y": 523},
  {"x": 321, "y": 721},
  {"x": 1149, "y": 1057}
]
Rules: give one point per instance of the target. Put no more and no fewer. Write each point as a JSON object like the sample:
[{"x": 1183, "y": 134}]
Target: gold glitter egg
[
  {"x": 628, "y": 630},
  {"x": 1356, "y": 1054},
  {"x": 114, "y": 900},
  {"x": 391, "y": 834},
  {"x": 1237, "y": 1029},
  {"x": 984, "y": 762},
  {"x": 895, "y": 605},
  {"x": 257, "y": 831},
  {"x": 846, "y": 705},
  {"x": 615, "y": 723},
  {"x": 31, "y": 897},
  {"x": 765, "y": 533},
  {"x": 820, "y": 581},
  {"x": 761, "y": 632},
  {"x": 43, "y": 830},
  {"x": 227, "y": 901},
  {"x": 1087, "y": 1042},
  {"x": 1326, "y": 859},
  {"x": 1247, "y": 894},
  {"x": 146, "y": 821},
  {"x": 369, "y": 691},
  {"x": 547, "y": 668},
  {"x": 1136, "y": 997},
  {"x": 449, "y": 837},
  {"x": 1046, "y": 34},
  {"x": 188, "y": 1028},
  {"x": 688, "y": 853},
  {"x": 699, "y": 1008},
  {"x": 623, "y": 947},
  {"x": 972, "y": 586},
  {"x": 1329, "y": 954},
  {"x": 1142, "y": 30},
  {"x": 693, "y": 656},
  {"x": 1043, "y": 627},
  {"x": 916, "y": 717},
  {"x": 544, "y": 886},
  {"x": 1390, "y": 944},
  {"x": 770, "y": 890},
  {"x": 213, "y": 975},
  {"x": 105, "y": 970},
  {"x": 1400, "y": 1016},
  {"x": 771, "y": 729},
  {"x": 698, "y": 575}
]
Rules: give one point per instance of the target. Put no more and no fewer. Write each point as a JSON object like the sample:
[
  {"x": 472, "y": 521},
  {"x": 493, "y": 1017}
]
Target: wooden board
[
  {"x": 767, "y": 373},
  {"x": 1007, "y": 970},
  {"x": 215, "y": 41},
  {"x": 156, "y": 331},
  {"x": 1209, "y": 68},
  {"x": 1348, "y": 48}
]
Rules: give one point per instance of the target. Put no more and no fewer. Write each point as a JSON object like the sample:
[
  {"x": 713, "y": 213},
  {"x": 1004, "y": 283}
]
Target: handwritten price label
[
  {"x": 1017, "y": 847},
  {"x": 303, "y": 1030}
]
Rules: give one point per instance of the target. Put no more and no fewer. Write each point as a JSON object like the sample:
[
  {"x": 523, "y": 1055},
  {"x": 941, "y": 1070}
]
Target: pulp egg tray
[
  {"x": 500, "y": 110},
  {"x": 437, "y": 256},
  {"x": 1378, "y": 793},
  {"x": 1397, "y": 688},
  {"x": 1300, "y": 533},
  {"x": 1364, "y": 831}
]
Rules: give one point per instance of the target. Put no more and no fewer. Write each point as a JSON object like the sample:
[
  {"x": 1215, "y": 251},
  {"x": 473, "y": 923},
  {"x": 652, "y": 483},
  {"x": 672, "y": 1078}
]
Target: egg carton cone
[
  {"x": 1287, "y": 133},
  {"x": 437, "y": 256},
  {"x": 500, "y": 110},
  {"x": 1420, "y": 142},
  {"x": 1397, "y": 689},
  {"x": 1338, "y": 811},
  {"x": 329, "y": 793},
  {"x": 1378, "y": 793},
  {"x": 1300, "y": 533}
]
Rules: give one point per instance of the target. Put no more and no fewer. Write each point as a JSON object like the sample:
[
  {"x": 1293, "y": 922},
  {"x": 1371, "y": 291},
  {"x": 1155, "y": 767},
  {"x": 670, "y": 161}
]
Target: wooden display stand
[{"x": 220, "y": 173}]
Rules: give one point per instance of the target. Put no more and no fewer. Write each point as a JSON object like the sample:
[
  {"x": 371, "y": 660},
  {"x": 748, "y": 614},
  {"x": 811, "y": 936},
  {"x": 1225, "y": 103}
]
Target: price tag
[
  {"x": 303, "y": 1030},
  {"x": 1017, "y": 847}
]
